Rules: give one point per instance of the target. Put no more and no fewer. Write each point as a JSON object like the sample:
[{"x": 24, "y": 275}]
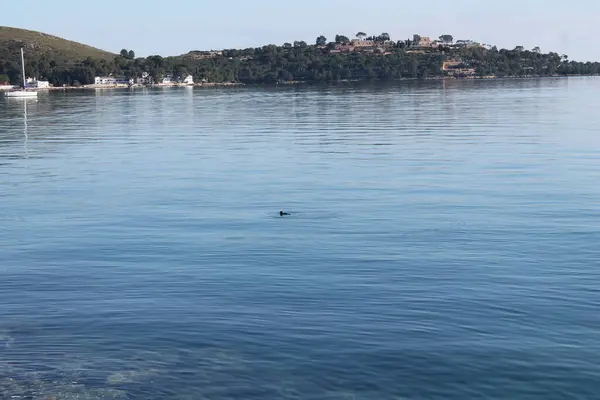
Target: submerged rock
[{"x": 122, "y": 377}]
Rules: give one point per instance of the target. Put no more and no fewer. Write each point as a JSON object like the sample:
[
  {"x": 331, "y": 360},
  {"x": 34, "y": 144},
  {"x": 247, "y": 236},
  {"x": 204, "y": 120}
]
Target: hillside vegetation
[
  {"x": 376, "y": 58},
  {"x": 40, "y": 44},
  {"x": 49, "y": 55}
]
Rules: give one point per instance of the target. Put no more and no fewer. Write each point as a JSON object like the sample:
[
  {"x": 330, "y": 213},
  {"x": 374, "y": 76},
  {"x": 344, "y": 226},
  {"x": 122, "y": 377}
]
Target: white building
[
  {"x": 104, "y": 80},
  {"x": 167, "y": 79},
  {"x": 35, "y": 83},
  {"x": 101, "y": 80},
  {"x": 144, "y": 79},
  {"x": 111, "y": 80},
  {"x": 189, "y": 80}
]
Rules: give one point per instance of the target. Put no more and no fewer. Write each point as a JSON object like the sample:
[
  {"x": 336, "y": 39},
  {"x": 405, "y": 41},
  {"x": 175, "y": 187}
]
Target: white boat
[
  {"x": 24, "y": 92},
  {"x": 21, "y": 93}
]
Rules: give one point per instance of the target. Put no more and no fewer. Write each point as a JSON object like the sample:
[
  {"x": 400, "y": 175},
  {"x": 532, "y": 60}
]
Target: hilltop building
[{"x": 420, "y": 42}]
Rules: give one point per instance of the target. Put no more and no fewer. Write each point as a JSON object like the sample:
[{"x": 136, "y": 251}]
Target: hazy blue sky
[{"x": 175, "y": 27}]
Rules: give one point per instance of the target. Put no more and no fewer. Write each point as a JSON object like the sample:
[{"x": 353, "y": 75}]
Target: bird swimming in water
[{"x": 281, "y": 213}]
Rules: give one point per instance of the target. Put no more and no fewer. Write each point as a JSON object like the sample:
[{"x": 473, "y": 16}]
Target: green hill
[
  {"x": 46, "y": 56},
  {"x": 63, "y": 62},
  {"x": 40, "y": 45}
]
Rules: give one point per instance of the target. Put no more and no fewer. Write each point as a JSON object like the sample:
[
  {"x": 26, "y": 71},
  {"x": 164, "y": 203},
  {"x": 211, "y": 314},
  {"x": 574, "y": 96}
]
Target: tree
[
  {"x": 131, "y": 55},
  {"x": 565, "y": 57},
  {"x": 447, "y": 39},
  {"x": 519, "y": 49},
  {"x": 124, "y": 53},
  {"x": 304, "y": 63},
  {"x": 285, "y": 75},
  {"x": 341, "y": 39},
  {"x": 180, "y": 71},
  {"x": 361, "y": 35},
  {"x": 321, "y": 41},
  {"x": 4, "y": 79},
  {"x": 384, "y": 37},
  {"x": 156, "y": 76}
]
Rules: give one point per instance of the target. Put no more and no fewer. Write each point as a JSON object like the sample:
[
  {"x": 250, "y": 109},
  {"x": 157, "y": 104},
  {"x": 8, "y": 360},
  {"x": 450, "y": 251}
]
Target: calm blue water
[{"x": 443, "y": 243}]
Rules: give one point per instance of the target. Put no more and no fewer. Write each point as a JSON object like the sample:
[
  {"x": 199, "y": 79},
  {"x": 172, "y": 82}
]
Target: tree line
[{"x": 299, "y": 61}]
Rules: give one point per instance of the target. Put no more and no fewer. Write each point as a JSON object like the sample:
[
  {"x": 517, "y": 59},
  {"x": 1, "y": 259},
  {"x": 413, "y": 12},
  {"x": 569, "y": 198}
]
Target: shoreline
[
  {"x": 239, "y": 84},
  {"x": 135, "y": 86}
]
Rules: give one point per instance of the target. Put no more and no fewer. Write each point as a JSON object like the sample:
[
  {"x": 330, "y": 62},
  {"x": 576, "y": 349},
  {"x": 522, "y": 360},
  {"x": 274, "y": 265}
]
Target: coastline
[
  {"x": 135, "y": 86},
  {"x": 343, "y": 81}
]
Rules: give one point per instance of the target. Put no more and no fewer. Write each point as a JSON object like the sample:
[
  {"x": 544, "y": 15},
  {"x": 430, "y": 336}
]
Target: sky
[{"x": 171, "y": 28}]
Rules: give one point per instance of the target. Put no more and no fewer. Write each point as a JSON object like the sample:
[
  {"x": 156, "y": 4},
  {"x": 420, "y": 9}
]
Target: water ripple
[{"x": 442, "y": 242}]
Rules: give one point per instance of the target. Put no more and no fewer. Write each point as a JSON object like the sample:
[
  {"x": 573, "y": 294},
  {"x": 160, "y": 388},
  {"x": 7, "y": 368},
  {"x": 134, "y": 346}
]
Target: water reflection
[
  {"x": 14, "y": 105},
  {"x": 433, "y": 226}
]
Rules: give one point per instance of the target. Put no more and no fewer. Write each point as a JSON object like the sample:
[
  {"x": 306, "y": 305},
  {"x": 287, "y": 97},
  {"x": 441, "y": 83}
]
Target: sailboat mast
[{"x": 23, "y": 65}]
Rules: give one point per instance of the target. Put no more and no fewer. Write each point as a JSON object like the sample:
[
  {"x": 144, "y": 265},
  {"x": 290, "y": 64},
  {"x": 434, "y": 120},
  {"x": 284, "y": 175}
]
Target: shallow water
[{"x": 443, "y": 242}]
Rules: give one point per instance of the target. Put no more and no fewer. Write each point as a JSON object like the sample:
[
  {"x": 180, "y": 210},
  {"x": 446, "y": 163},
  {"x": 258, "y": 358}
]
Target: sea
[{"x": 442, "y": 242}]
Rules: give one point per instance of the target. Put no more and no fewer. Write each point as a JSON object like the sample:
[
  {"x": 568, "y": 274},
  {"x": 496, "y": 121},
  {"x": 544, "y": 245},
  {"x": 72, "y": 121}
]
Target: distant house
[
  {"x": 35, "y": 83},
  {"x": 362, "y": 43},
  {"x": 104, "y": 80},
  {"x": 421, "y": 42},
  {"x": 189, "y": 80},
  {"x": 167, "y": 79},
  {"x": 344, "y": 48},
  {"x": 121, "y": 80},
  {"x": 457, "y": 67},
  {"x": 144, "y": 79},
  {"x": 452, "y": 64},
  {"x": 112, "y": 80}
]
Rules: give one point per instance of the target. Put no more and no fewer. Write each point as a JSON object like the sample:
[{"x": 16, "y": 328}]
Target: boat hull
[{"x": 21, "y": 93}]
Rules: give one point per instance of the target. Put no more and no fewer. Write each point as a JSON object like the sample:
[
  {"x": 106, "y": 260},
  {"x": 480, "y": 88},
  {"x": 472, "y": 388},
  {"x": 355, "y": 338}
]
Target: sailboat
[{"x": 24, "y": 92}]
